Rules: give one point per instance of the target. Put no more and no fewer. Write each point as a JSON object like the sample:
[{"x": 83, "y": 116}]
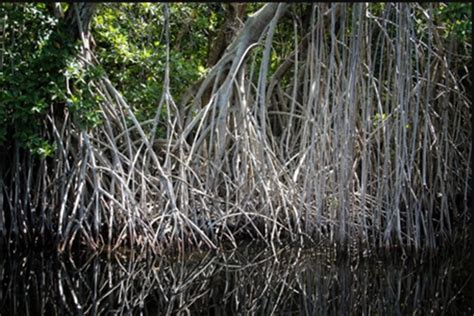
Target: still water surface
[{"x": 247, "y": 281}]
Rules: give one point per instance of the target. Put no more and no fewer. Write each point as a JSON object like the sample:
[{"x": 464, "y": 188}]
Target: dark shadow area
[{"x": 240, "y": 282}]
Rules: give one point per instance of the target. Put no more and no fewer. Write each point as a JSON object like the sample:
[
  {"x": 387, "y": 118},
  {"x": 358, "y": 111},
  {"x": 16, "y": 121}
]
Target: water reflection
[{"x": 242, "y": 282}]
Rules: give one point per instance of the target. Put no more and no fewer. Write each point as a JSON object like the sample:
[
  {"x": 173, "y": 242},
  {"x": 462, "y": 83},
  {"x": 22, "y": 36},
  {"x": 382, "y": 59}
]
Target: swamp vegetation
[
  {"x": 235, "y": 158},
  {"x": 156, "y": 125}
]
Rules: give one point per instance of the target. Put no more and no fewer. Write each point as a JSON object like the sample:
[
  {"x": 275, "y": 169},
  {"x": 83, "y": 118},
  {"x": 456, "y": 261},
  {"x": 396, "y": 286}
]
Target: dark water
[{"x": 243, "y": 282}]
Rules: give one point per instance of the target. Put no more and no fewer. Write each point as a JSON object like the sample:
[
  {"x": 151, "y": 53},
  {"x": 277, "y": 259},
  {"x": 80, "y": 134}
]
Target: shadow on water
[{"x": 247, "y": 281}]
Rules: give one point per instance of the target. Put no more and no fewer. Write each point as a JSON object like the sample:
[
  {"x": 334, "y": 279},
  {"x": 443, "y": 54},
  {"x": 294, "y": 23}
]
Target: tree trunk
[
  {"x": 232, "y": 56},
  {"x": 78, "y": 18},
  {"x": 232, "y": 25},
  {"x": 77, "y": 21}
]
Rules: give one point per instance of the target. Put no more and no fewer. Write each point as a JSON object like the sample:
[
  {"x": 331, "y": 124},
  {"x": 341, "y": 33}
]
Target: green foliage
[
  {"x": 39, "y": 58},
  {"x": 457, "y": 17},
  {"x": 457, "y": 20},
  {"x": 83, "y": 103},
  {"x": 34, "y": 55},
  {"x": 378, "y": 119},
  {"x": 39, "y": 146},
  {"x": 131, "y": 45}
]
